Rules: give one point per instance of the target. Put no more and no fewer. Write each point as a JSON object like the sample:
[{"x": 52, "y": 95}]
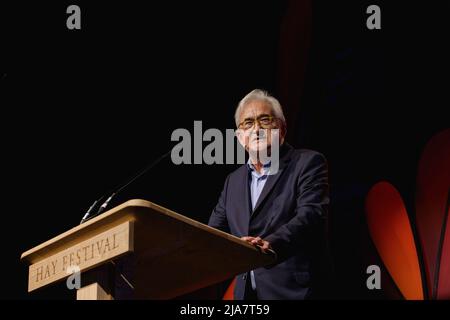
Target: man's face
[{"x": 258, "y": 137}]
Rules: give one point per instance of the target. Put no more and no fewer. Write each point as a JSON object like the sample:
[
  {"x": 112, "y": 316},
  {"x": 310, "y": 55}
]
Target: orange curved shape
[
  {"x": 229, "y": 294},
  {"x": 443, "y": 287},
  {"x": 433, "y": 184},
  {"x": 392, "y": 235}
]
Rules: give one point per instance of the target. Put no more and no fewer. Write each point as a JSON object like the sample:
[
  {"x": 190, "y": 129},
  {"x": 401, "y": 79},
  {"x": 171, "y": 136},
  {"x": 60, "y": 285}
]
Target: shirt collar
[{"x": 264, "y": 171}]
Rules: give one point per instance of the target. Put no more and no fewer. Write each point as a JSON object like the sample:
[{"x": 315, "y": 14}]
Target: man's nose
[{"x": 259, "y": 132}]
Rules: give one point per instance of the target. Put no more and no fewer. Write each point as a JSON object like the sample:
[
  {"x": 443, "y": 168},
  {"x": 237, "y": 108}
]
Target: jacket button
[{"x": 244, "y": 277}]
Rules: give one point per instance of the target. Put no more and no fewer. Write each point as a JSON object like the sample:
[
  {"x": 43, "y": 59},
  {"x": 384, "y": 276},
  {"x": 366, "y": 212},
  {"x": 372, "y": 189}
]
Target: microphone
[
  {"x": 88, "y": 215},
  {"x": 89, "y": 211}
]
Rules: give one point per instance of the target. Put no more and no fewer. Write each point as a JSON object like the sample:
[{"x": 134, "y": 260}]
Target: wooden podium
[{"x": 139, "y": 250}]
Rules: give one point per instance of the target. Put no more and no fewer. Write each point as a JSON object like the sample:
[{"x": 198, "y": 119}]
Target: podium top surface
[{"x": 123, "y": 211}]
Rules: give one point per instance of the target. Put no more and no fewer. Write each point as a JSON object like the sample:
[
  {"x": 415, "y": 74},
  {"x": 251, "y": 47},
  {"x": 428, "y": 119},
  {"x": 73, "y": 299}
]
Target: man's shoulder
[
  {"x": 306, "y": 154},
  {"x": 243, "y": 169},
  {"x": 306, "y": 158}
]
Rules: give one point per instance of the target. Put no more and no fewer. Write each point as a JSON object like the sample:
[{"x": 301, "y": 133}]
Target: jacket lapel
[{"x": 246, "y": 200}]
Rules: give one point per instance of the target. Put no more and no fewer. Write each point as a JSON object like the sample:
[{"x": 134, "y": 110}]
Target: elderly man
[{"x": 284, "y": 211}]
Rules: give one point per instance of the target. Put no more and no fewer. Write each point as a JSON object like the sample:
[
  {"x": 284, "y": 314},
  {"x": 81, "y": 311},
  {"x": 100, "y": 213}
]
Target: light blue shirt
[{"x": 257, "y": 182}]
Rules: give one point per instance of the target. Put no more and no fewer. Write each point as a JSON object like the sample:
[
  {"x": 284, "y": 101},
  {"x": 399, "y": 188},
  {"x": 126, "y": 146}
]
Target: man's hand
[{"x": 257, "y": 241}]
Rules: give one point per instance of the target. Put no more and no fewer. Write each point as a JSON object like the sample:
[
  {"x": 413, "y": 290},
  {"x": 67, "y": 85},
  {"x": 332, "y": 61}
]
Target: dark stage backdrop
[{"x": 84, "y": 110}]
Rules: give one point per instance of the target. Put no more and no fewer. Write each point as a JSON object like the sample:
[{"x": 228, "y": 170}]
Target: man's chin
[{"x": 256, "y": 148}]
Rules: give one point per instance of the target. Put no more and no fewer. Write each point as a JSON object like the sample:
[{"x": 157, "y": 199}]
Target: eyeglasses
[{"x": 265, "y": 122}]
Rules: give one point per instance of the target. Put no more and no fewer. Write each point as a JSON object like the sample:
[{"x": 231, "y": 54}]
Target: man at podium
[{"x": 277, "y": 201}]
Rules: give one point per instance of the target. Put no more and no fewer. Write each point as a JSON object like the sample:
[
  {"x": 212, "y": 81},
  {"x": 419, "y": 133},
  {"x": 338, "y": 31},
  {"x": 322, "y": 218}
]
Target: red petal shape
[
  {"x": 229, "y": 294},
  {"x": 443, "y": 290},
  {"x": 392, "y": 235},
  {"x": 433, "y": 183}
]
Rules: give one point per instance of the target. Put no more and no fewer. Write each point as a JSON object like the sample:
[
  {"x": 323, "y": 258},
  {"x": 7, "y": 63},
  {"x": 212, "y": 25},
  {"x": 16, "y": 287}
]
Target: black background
[{"x": 83, "y": 110}]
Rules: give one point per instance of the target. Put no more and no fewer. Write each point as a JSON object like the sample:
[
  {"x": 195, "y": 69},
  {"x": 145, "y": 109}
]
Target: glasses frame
[{"x": 258, "y": 119}]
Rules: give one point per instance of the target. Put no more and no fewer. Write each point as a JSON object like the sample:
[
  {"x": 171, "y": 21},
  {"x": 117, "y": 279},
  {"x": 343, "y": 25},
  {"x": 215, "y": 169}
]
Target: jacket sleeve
[
  {"x": 310, "y": 210},
  {"x": 218, "y": 218}
]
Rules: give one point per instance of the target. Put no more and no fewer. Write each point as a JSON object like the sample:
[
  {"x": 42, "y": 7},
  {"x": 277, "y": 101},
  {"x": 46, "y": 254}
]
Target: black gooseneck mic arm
[{"x": 88, "y": 215}]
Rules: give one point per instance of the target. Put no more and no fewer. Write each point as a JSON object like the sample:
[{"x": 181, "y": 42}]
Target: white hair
[{"x": 260, "y": 95}]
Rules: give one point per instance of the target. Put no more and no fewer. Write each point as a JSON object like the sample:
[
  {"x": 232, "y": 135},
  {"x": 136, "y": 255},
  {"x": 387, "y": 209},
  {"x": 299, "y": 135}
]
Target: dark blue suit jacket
[{"x": 291, "y": 214}]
